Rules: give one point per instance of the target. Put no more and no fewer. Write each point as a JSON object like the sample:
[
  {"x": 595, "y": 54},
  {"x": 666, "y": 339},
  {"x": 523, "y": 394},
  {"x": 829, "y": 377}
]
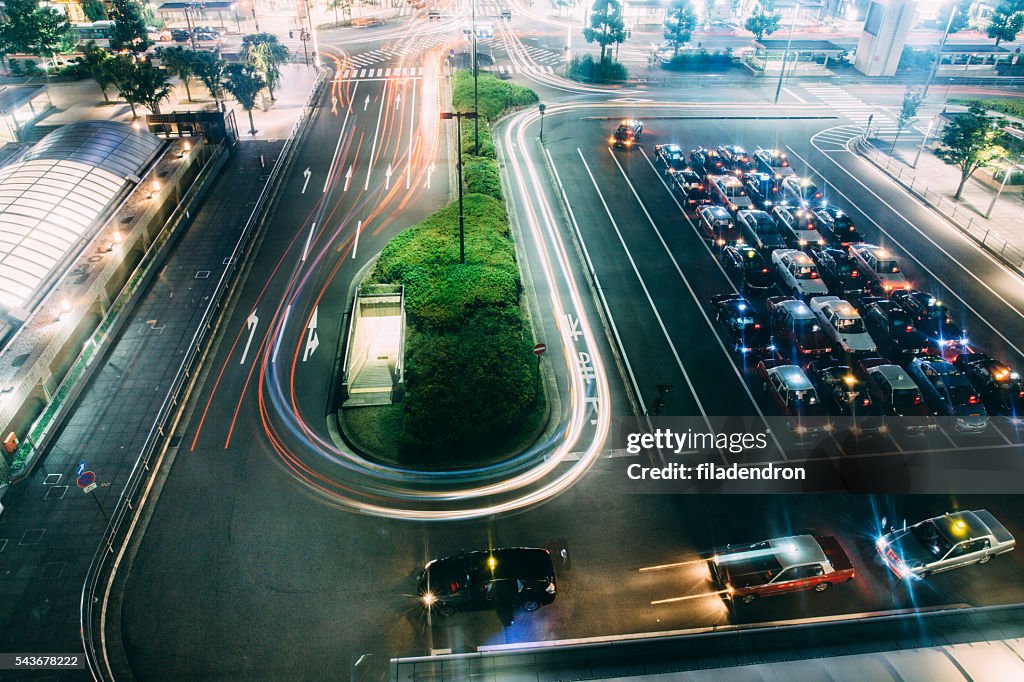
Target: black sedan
[
  {"x": 842, "y": 391},
  {"x": 1000, "y": 387},
  {"x": 932, "y": 319},
  {"x": 747, "y": 331},
  {"x": 836, "y": 227},
  {"x": 747, "y": 267},
  {"x": 839, "y": 272}
]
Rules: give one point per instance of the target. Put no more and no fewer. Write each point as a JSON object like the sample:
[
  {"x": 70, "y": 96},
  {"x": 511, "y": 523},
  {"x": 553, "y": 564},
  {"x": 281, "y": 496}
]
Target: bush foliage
[
  {"x": 495, "y": 95},
  {"x": 589, "y": 71},
  {"x": 701, "y": 59}
]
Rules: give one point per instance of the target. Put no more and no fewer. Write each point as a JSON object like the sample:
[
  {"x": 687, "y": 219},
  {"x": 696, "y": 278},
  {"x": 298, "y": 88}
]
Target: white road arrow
[
  {"x": 348, "y": 177},
  {"x": 306, "y": 173},
  {"x": 430, "y": 171},
  {"x": 312, "y": 342},
  {"x": 251, "y": 322},
  {"x": 366, "y": 103},
  {"x": 398, "y": 100},
  {"x": 387, "y": 178}
]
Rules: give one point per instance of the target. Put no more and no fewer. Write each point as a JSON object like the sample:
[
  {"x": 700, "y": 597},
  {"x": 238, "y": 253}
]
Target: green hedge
[
  {"x": 589, "y": 71},
  {"x": 1012, "y": 107},
  {"x": 700, "y": 60},
  {"x": 495, "y": 96},
  {"x": 480, "y": 176}
]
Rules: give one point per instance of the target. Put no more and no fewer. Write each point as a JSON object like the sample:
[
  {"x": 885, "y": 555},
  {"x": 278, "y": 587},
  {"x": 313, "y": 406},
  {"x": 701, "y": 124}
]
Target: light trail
[
  {"x": 678, "y": 564},
  {"x": 690, "y": 597}
]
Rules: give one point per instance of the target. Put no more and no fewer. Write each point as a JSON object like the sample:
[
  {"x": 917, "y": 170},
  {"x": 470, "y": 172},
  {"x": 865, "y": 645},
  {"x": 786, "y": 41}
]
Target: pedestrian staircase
[{"x": 373, "y": 356}]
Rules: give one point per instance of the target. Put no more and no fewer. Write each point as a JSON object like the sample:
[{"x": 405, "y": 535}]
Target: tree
[
  {"x": 96, "y": 62},
  {"x": 606, "y": 26},
  {"x": 263, "y": 52},
  {"x": 912, "y": 99},
  {"x": 209, "y": 68},
  {"x": 344, "y": 5},
  {"x": 1006, "y": 21},
  {"x": 679, "y": 22},
  {"x": 762, "y": 22},
  {"x": 180, "y": 61},
  {"x": 970, "y": 141},
  {"x": 129, "y": 29},
  {"x": 95, "y": 10},
  {"x": 140, "y": 83},
  {"x": 33, "y": 28},
  {"x": 245, "y": 84}
]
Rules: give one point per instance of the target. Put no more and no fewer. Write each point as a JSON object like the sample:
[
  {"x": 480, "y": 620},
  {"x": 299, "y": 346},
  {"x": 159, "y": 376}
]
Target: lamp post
[
  {"x": 458, "y": 116},
  {"x": 476, "y": 100},
  {"x": 938, "y": 57},
  {"x": 1006, "y": 176},
  {"x": 541, "y": 108},
  {"x": 190, "y": 7},
  {"x": 927, "y": 134},
  {"x": 785, "y": 55}
]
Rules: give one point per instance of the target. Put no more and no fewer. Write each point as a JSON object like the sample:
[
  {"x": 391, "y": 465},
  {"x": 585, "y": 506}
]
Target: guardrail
[
  {"x": 953, "y": 212},
  {"x": 116, "y": 535}
]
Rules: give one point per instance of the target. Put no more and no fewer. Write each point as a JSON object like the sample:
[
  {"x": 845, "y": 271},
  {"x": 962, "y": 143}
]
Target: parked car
[
  {"x": 706, "y": 161},
  {"x": 842, "y": 391},
  {"x": 949, "y": 393},
  {"x": 797, "y": 273},
  {"x": 932, "y": 319},
  {"x": 774, "y": 162},
  {"x": 762, "y": 189},
  {"x": 747, "y": 267},
  {"x": 760, "y": 230},
  {"x": 518, "y": 577},
  {"x": 836, "y": 227},
  {"x": 880, "y": 266},
  {"x": 736, "y": 158},
  {"x": 798, "y": 227},
  {"x": 794, "y": 395},
  {"x": 1000, "y": 387},
  {"x": 942, "y": 543},
  {"x": 838, "y": 272},
  {"x": 626, "y": 134},
  {"x": 670, "y": 156},
  {"x": 798, "y": 334},
  {"x": 728, "y": 191},
  {"x": 801, "y": 193},
  {"x": 688, "y": 185},
  {"x": 896, "y": 395},
  {"x": 778, "y": 566},
  {"x": 718, "y": 225},
  {"x": 844, "y": 325},
  {"x": 744, "y": 326},
  {"x": 894, "y": 331}
]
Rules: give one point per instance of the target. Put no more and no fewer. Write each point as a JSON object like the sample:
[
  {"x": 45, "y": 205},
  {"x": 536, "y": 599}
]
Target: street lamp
[
  {"x": 476, "y": 100},
  {"x": 938, "y": 57},
  {"x": 927, "y": 134},
  {"x": 541, "y": 108},
  {"x": 458, "y": 116},
  {"x": 785, "y": 55},
  {"x": 1010, "y": 167}
]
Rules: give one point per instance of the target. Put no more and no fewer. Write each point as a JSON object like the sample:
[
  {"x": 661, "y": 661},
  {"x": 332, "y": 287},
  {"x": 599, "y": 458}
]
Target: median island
[{"x": 471, "y": 393}]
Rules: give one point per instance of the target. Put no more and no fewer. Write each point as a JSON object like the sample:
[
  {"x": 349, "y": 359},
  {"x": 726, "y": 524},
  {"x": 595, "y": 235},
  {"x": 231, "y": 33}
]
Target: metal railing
[
  {"x": 973, "y": 226},
  {"x": 116, "y": 534}
]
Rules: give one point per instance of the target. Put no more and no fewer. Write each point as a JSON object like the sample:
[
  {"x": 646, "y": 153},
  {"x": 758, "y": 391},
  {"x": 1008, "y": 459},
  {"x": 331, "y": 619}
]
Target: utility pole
[
  {"x": 458, "y": 116},
  {"x": 938, "y": 57},
  {"x": 476, "y": 94},
  {"x": 785, "y": 55}
]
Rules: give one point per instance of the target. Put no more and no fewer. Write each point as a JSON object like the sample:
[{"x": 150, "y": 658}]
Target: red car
[{"x": 792, "y": 564}]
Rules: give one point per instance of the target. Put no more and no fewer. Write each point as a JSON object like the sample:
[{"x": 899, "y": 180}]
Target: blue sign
[
  {"x": 81, "y": 468},
  {"x": 86, "y": 479}
]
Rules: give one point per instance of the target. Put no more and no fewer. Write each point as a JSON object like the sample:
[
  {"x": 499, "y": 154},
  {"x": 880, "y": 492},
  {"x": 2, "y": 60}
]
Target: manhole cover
[
  {"x": 127, "y": 219},
  {"x": 52, "y": 479}
]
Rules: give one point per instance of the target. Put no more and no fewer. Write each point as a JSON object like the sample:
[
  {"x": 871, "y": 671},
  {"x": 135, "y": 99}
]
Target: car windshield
[
  {"x": 854, "y": 325},
  {"x": 887, "y": 267},
  {"x": 801, "y": 398},
  {"x": 764, "y": 226},
  {"x": 932, "y": 539},
  {"x": 940, "y": 316},
  {"x": 754, "y": 263},
  {"x": 961, "y": 394},
  {"x": 805, "y": 327}
]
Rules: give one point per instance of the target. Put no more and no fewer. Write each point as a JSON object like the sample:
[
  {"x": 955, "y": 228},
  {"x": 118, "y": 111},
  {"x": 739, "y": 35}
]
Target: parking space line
[{"x": 647, "y": 293}]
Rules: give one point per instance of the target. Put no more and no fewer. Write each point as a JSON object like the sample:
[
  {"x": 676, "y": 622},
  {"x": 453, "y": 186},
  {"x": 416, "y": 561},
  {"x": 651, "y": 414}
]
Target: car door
[{"x": 954, "y": 558}]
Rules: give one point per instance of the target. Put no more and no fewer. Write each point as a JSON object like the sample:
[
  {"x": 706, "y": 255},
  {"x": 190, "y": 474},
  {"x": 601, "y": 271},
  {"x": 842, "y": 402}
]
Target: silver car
[{"x": 943, "y": 543}]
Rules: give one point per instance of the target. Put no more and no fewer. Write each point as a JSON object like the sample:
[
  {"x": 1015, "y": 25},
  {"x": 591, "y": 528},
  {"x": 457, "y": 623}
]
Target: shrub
[
  {"x": 494, "y": 96},
  {"x": 690, "y": 61},
  {"x": 589, "y": 71},
  {"x": 913, "y": 59},
  {"x": 481, "y": 177},
  {"x": 1012, "y": 107}
]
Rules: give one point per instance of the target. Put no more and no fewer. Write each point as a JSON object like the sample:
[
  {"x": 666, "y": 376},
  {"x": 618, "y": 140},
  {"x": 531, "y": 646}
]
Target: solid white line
[
  {"x": 597, "y": 281},
  {"x": 376, "y": 132},
  {"x": 647, "y": 293},
  {"x": 914, "y": 258},
  {"x": 412, "y": 127},
  {"x": 732, "y": 286},
  {"x": 794, "y": 95},
  {"x": 280, "y": 334},
  {"x": 355, "y": 246},
  {"x": 341, "y": 134},
  {"x": 309, "y": 238}
]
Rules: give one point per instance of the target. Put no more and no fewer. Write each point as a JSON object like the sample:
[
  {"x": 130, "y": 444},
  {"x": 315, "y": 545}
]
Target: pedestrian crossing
[
  {"x": 417, "y": 71},
  {"x": 851, "y": 107},
  {"x": 542, "y": 55}
]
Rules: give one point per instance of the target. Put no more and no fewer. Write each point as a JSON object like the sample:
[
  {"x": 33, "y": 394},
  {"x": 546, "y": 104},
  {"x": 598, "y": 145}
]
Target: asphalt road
[{"x": 254, "y": 577}]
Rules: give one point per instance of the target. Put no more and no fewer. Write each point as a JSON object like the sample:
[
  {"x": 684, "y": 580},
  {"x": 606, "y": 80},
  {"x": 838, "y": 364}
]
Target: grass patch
[
  {"x": 587, "y": 70},
  {"x": 1011, "y": 107},
  {"x": 377, "y": 428},
  {"x": 495, "y": 95}
]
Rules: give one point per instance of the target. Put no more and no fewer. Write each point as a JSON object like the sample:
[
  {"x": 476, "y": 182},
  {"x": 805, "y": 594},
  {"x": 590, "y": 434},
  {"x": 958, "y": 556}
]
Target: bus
[{"x": 98, "y": 32}]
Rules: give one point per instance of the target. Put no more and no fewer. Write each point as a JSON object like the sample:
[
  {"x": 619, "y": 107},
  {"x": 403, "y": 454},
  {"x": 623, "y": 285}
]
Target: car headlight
[
  {"x": 881, "y": 543},
  {"x": 550, "y": 589},
  {"x": 803, "y": 242},
  {"x": 428, "y": 599}
]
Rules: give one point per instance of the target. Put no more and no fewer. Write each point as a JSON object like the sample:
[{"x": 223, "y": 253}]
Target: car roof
[
  {"x": 938, "y": 364},
  {"x": 895, "y": 375},
  {"x": 719, "y": 211},
  {"x": 874, "y": 249},
  {"x": 672, "y": 147},
  {"x": 517, "y": 562},
  {"x": 792, "y": 377},
  {"x": 796, "y": 309},
  {"x": 795, "y": 550},
  {"x": 961, "y": 525}
]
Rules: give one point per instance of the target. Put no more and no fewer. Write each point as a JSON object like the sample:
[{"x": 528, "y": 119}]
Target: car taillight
[
  {"x": 917, "y": 400},
  {"x": 867, "y": 401},
  {"x": 550, "y": 589},
  {"x": 700, "y": 187},
  {"x": 973, "y": 400},
  {"x": 909, "y": 329},
  {"x": 775, "y": 190},
  {"x": 757, "y": 326},
  {"x": 818, "y": 195},
  {"x": 764, "y": 269},
  {"x": 814, "y": 275},
  {"x": 854, "y": 273},
  {"x": 1021, "y": 394}
]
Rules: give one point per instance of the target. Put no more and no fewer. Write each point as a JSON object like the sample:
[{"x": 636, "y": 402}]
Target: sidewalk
[
  {"x": 934, "y": 182},
  {"x": 82, "y": 100}
]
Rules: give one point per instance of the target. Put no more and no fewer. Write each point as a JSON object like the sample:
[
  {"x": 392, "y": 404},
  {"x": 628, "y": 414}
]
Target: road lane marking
[
  {"x": 280, "y": 334},
  {"x": 337, "y": 147},
  {"x": 412, "y": 128},
  {"x": 376, "y": 133},
  {"x": 309, "y": 238},
  {"x": 693, "y": 295},
  {"x": 647, "y": 293},
  {"x": 794, "y": 96},
  {"x": 910, "y": 253},
  {"x": 355, "y": 246}
]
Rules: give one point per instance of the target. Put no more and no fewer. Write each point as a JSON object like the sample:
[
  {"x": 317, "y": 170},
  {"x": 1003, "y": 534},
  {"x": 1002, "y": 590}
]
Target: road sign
[
  {"x": 86, "y": 479},
  {"x": 89, "y": 488},
  {"x": 80, "y": 468},
  {"x": 539, "y": 349}
]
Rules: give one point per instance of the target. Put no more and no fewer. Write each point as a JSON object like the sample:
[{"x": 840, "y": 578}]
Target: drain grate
[
  {"x": 52, "y": 479},
  {"x": 32, "y": 536}
]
